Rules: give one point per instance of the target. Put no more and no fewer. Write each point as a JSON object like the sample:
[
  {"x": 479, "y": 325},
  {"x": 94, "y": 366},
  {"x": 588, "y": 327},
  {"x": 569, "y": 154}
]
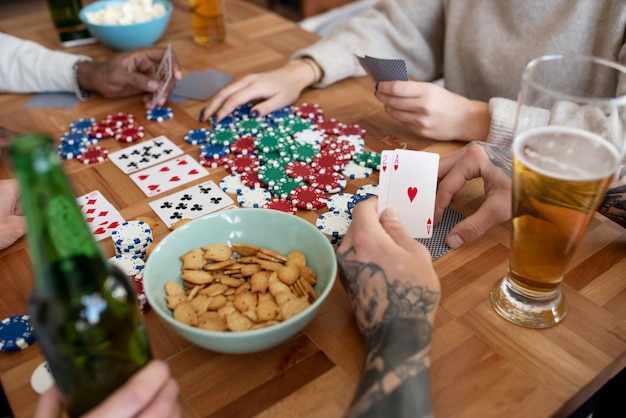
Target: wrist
[
  {"x": 478, "y": 121},
  {"x": 311, "y": 72},
  {"x": 82, "y": 86}
]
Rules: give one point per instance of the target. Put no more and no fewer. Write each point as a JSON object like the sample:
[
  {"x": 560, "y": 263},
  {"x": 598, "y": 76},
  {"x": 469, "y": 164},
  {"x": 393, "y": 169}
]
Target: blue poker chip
[
  {"x": 80, "y": 125},
  {"x": 16, "y": 333},
  {"x": 227, "y": 122},
  {"x": 197, "y": 136},
  {"x": 243, "y": 110},
  {"x": 357, "y": 198},
  {"x": 159, "y": 114},
  {"x": 75, "y": 137},
  {"x": 70, "y": 151},
  {"x": 214, "y": 151},
  {"x": 280, "y": 113}
]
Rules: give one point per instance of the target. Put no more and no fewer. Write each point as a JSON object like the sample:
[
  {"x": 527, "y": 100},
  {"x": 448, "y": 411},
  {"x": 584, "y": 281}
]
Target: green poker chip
[
  {"x": 369, "y": 159},
  {"x": 268, "y": 141},
  {"x": 303, "y": 152},
  {"x": 272, "y": 173},
  {"x": 251, "y": 126},
  {"x": 284, "y": 187},
  {"x": 223, "y": 136}
]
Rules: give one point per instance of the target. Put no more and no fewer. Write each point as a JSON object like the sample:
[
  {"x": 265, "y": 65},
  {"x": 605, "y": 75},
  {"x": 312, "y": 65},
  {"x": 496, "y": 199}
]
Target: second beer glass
[
  {"x": 207, "y": 21},
  {"x": 569, "y": 140}
]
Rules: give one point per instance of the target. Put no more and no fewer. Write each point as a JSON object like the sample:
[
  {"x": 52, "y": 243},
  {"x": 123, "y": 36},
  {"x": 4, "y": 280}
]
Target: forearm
[{"x": 614, "y": 203}]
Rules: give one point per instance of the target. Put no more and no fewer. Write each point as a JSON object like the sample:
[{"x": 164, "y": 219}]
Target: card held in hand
[
  {"x": 164, "y": 75},
  {"x": 408, "y": 183},
  {"x": 384, "y": 69}
]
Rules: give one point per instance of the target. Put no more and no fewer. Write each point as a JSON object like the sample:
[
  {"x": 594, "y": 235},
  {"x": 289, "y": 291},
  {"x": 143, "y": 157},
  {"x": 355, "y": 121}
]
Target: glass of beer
[
  {"x": 569, "y": 139},
  {"x": 207, "y": 21}
]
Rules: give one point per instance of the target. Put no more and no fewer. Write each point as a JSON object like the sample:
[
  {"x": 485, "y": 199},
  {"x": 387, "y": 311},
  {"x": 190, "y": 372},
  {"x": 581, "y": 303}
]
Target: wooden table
[{"x": 481, "y": 364}]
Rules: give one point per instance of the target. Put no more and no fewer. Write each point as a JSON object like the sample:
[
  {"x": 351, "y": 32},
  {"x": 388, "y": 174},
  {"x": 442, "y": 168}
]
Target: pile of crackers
[{"x": 240, "y": 287}]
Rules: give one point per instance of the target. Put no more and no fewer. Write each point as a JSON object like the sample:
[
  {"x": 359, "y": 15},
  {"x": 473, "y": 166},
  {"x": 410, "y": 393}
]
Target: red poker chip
[
  {"x": 311, "y": 111},
  {"x": 330, "y": 126},
  {"x": 102, "y": 129},
  {"x": 330, "y": 182},
  {"x": 130, "y": 133},
  {"x": 213, "y": 162},
  {"x": 93, "y": 155},
  {"x": 342, "y": 148},
  {"x": 121, "y": 119},
  {"x": 299, "y": 170},
  {"x": 353, "y": 129},
  {"x": 306, "y": 197},
  {"x": 243, "y": 145},
  {"x": 327, "y": 161},
  {"x": 282, "y": 205},
  {"x": 251, "y": 179},
  {"x": 242, "y": 163}
]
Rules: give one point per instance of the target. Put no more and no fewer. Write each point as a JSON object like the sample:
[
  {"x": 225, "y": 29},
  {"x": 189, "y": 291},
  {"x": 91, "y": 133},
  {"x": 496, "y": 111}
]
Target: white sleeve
[{"x": 27, "y": 67}]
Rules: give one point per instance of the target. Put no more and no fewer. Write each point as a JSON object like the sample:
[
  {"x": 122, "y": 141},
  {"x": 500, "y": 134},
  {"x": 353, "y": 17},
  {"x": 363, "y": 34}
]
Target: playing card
[
  {"x": 199, "y": 85},
  {"x": 145, "y": 154},
  {"x": 100, "y": 214},
  {"x": 168, "y": 175},
  {"x": 191, "y": 203},
  {"x": 384, "y": 69},
  {"x": 163, "y": 75},
  {"x": 52, "y": 101},
  {"x": 436, "y": 244},
  {"x": 384, "y": 178},
  {"x": 411, "y": 190}
]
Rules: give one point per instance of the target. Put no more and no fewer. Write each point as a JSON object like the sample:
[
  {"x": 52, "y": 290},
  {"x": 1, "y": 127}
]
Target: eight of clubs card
[{"x": 408, "y": 183}]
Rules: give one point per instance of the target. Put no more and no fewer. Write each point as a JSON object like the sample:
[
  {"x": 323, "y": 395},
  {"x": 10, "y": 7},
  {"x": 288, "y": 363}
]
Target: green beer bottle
[{"x": 83, "y": 309}]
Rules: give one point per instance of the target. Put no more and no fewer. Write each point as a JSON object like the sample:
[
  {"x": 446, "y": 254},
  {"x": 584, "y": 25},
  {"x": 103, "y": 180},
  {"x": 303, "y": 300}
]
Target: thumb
[{"x": 391, "y": 224}]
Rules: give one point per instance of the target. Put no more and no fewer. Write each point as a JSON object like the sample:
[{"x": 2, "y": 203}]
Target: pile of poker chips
[
  {"x": 292, "y": 159},
  {"x": 132, "y": 266},
  {"x": 132, "y": 238}
]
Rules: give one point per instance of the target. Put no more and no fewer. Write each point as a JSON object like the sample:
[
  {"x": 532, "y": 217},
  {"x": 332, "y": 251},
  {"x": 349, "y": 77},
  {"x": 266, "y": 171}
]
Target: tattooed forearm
[
  {"x": 394, "y": 317},
  {"x": 500, "y": 156}
]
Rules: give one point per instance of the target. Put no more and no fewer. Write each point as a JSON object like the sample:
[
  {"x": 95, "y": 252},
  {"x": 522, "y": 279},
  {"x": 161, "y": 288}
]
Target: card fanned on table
[
  {"x": 199, "y": 85},
  {"x": 168, "y": 175},
  {"x": 191, "y": 203},
  {"x": 100, "y": 214},
  {"x": 384, "y": 69}
]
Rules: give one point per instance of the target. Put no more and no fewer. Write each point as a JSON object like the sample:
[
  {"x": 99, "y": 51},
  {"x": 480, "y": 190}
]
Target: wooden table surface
[{"x": 481, "y": 364}]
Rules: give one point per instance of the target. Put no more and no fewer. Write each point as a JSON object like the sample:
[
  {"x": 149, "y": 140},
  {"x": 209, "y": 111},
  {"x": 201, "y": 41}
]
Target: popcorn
[{"x": 131, "y": 11}]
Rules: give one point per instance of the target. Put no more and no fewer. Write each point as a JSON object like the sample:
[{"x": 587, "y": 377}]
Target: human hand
[
  {"x": 275, "y": 89},
  {"x": 12, "y": 222},
  {"x": 127, "y": 74},
  {"x": 150, "y": 393},
  {"x": 433, "y": 112},
  {"x": 477, "y": 159}
]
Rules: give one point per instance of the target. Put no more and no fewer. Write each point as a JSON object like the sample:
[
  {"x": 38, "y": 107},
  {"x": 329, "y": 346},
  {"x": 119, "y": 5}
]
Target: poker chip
[
  {"x": 299, "y": 170},
  {"x": 93, "y": 155},
  {"x": 16, "y": 333},
  {"x": 79, "y": 125},
  {"x": 304, "y": 152},
  {"x": 268, "y": 141},
  {"x": 284, "y": 187},
  {"x": 130, "y": 265},
  {"x": 353, "y": 170},
  {"x": 339, "y": 202},
  {"x": 306, "y": 197},
  {"x": 214, "y": 151},
  {"x": 271, "y": 173},
  {"x": 41, "y": 380},
  {"x": 356, "y": 140},
  {"x": 325, "y": 161},
  {"x": 293, "y": 124},
  {"x": 333, "y": 224},
  {"x": 358, "y": 198},
  {"x": 75, "y": 137},
  {"x": 369, "y": 159},
  {"x": 329, "y": 181},
  {"x": 159, "y": 114},
  {"x": 213, "y": 162},
  {"x": 342, "y": 148},
  {"x": 243, "y": 145},
  {"x": 253, "y": 198},
  {"x": 228, "y": 122},
  {"x": 251, "y": 179},
  {"x": 223, "y": 136},
  {"x": 250, "y": 126},
  {"x": 368, "y": 189},
  {"x": 68, "y": 152},
  {"x": 279, "y": 114},
  {"x": 353, "y": 129},
  {"x": 102, "y": 129},
  {"x": 242, "y": 110},
  {"x": 132, "y": 238},
  {"x": 282, "y": 205},
  {"x": 330, "y": 126},
  {"x": 241, "y": 163},
  {"x": 197, "y": 136},
  {"x": 129, "y": 133},
  {"x": 232, "y": 184},
  {"x": 309, "y": 111},
  {"x": 121, "y": 119},
  {"x": 310, "y": 136}
]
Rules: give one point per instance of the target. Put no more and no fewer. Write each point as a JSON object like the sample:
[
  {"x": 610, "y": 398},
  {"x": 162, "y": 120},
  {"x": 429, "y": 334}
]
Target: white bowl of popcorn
[
  {"x": 242, "y": 280},
  {"x": 127, "y": 24}
]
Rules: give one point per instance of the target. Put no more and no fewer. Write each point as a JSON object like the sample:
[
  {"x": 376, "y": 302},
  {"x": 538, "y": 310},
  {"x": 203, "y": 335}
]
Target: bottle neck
[{"x": 57, "y": 232}]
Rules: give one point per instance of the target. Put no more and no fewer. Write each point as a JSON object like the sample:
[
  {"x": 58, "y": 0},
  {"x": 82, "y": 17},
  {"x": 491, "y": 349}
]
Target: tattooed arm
[
  {"x": 493, "y": 164},
  {"x": 394, "y": 293}
]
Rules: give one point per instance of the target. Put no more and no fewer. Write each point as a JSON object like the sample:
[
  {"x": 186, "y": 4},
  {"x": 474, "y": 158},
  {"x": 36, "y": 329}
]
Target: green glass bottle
[{"x": 83, "y": 309}]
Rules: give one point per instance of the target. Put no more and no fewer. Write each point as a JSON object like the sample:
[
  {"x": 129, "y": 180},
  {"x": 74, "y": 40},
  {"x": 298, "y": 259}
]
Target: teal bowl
[
  {"x": 130, "y": 36},
  {"x": 272, "y": 229}
]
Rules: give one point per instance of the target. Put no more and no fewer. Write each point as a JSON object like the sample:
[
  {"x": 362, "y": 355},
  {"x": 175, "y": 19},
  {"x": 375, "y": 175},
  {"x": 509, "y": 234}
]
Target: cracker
[
  {"x": 193, "y": 260},
  {"x": 217, "y": 252}
]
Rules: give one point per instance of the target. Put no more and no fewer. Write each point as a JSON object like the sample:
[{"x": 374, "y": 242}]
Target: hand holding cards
[
  {"x": 164, "y": 75},
  {"x": 408, "y": 183}
]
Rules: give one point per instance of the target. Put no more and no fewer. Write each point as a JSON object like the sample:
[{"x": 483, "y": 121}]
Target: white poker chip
[
  {"x": 356, "y": 140},
  {"x": 131, "y": 265},
  {"x": 253, "y": 198},
  {"x": 309, "y": 136},
  {"x": 353, "y": 170},
  {"x": 339, "y": 202},
  {"x": 368, "y": 189},
  {"x": 132, "y": 235},
  {"x": 232, "y": 184},
  {"x": 41, "y": 380},
  {"x": 333, "y": 224}
]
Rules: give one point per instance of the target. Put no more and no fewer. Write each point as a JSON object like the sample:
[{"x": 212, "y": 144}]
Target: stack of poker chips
[
  {"x": 133, "y": 266},
  {"x": 132, "y": 238}
]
